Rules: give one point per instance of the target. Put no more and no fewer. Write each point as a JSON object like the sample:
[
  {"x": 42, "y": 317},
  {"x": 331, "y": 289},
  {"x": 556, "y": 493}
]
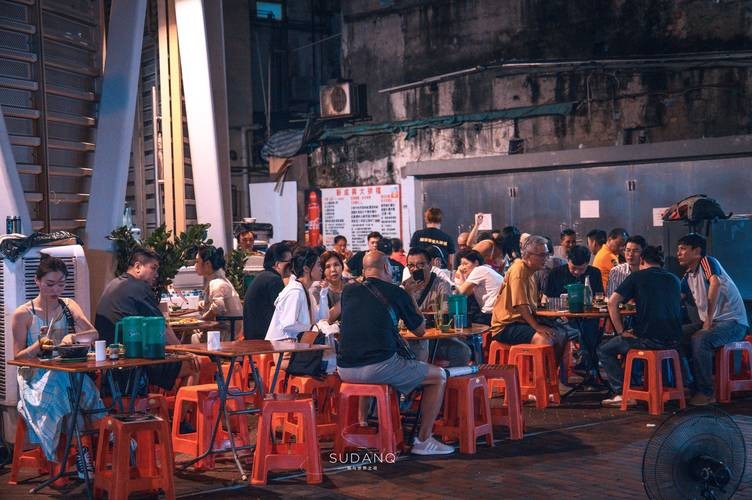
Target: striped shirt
[{"x": 616, "y": 277}]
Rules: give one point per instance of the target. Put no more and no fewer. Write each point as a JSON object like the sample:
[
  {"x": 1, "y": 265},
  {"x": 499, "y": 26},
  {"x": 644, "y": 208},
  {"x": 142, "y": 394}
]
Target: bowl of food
[{"x": 73, "y": 351}]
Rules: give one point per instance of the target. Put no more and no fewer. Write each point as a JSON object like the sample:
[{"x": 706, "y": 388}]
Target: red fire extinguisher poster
[{"x": 313, "y": 233}]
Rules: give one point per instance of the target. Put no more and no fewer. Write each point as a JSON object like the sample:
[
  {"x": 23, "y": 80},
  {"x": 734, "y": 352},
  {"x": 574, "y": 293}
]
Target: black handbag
[{"x": 308, "y": 363}]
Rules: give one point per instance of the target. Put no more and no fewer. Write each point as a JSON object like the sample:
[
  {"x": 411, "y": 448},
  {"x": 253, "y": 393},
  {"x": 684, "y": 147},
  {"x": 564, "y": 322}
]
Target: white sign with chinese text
[{"x": 354, "y": 212}]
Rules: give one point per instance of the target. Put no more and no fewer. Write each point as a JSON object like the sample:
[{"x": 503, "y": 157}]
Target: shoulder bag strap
[
  {"x": 426, "y": 290},
  {"x": 68, "y": 316}
]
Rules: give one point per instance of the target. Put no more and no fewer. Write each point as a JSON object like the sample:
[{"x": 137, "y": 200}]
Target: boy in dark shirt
[
  {"x": 657, "y": 294},
  {"x": 258, "y": 307}
]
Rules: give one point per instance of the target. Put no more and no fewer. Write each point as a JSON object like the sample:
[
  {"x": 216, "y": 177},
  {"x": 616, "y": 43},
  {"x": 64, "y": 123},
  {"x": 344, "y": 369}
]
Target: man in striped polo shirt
[
  {"x": 632, "y": 253},
  {"x": 720, "y": 307}
]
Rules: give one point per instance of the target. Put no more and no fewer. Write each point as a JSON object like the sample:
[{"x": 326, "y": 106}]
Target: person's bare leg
[{"x": 433, "y": 397}]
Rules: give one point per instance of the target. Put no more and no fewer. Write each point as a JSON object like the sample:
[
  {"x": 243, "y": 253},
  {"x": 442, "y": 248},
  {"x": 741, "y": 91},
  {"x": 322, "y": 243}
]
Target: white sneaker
[
  {"x": 616, "y": 401},
  {"x": 430, "y": 446}
]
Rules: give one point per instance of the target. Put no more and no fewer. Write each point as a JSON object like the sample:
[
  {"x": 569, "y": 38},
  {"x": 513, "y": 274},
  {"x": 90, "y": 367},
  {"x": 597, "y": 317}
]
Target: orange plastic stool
[
  {"x": 509, "y": 415},
  {"x": 726, "y": 381},
  {"x": 387, "y": 438},
  {"x": 498, "y": 353},
  {"x": 467, "y": 412},
  {"x": 653, "y": 392},
  {"x": 537, "y": 371},
  {"x": 119, "y": 480},
  {"x": 303, "y": 454},
  {"x": 207, "y": 369},
  {"x": 206, "y": 399},
  {"x": 30, "y": 459},
  {"x": 324, "y": 393}
]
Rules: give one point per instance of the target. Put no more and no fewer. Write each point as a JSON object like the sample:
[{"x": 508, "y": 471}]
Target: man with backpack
[{"x": 721, "y": 310}]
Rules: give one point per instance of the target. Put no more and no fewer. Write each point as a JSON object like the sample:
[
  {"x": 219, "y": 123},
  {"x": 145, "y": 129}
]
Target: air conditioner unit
[
  {"x": 17, "y": 286},
  {"x": 341, "y": 100}
]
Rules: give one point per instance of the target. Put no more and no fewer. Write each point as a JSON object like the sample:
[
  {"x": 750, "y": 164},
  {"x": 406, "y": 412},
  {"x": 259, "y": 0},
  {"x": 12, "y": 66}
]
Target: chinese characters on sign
[{"x": 356, "y": 211}]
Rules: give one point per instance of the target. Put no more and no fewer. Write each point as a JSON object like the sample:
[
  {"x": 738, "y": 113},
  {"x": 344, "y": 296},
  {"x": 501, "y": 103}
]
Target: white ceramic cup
[
  {"x": 212, "y": 340},
  {"x": 99, "y": 350}
]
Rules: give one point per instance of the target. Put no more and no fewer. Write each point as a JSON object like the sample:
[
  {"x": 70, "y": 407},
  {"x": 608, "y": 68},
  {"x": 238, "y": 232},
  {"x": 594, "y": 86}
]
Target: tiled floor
[{"x": 577, "y": 450}]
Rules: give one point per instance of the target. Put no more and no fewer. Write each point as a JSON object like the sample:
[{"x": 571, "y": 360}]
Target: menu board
[{"x": 354, "y": 212}]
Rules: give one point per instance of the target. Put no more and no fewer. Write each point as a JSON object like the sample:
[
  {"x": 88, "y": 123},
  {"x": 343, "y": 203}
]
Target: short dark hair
[
  {"x": 374, "y": 234},
  {"x": 567, "y": 232},
  {"x": 419, "y": 251},
  {"x": 304, "y": 257},
  {"x": 330, "y": 254},
  {"x": 638, "y": 240},
  {"x": 339, "y": 238},
  {"x": 434, "y": 215},
  {"x": 242, "y": 229},
  {"x": 597, "y": 235},
  {"x": 549, "y": 245},
  {"x": 435, "y": 252},
  {"x": 396, "y": 244},
  {"x": 275, "y": 253},
  {"x": 384, "y": 246},
  {"x": 473, "y": 256},
  {"x": 694, "y": 240},
  {"x": 142, "y": 255},
  {"x": 618, "y": 232},
  {"x": 214, "y": 255},
  {"x": 579, "y": 255},
  {"x": 653, "y": 255},
  {"x": 50, "y": 264}
]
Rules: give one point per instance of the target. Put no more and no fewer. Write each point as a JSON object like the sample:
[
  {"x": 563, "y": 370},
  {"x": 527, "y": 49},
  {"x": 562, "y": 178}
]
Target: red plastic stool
[
  {"x": 467, "y": 412},
  {"x": 207, "y": 369},
  {"x": 387, "y": 438},
  {"x": 29, "y": 459},
  {"x": 726, "y": 381},
  {"x": 206, "y": 399},
  {"x": 115, "y": 476},
  {"x": 324, "y": 393},
  {"x": 653, "y": 392},
  {"x": 303, "y": 454},
  {"x": 498, "y": 353},
  {"x": 509, "y": 415},
  {"x": 537, "y": 371}
]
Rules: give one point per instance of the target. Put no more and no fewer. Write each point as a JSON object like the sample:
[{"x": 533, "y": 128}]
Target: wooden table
[
  {"x": 436, "y": 334},
  {"x": 231, "y": 351},
  {"x": 589, "y": 314},
  {"x": 76, "y": 371}
]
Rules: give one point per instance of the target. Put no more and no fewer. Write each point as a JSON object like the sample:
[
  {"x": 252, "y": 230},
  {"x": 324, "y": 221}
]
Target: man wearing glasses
[
  {"x": 513, "y": 318},
  {"x": 430, "y": 292}
]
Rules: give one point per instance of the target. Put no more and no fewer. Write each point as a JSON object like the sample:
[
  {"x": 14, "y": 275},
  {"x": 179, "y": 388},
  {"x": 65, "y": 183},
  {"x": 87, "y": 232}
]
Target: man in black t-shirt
[
  {"x": 657, "y": 294},
  {"x": 433, "y": 235},
  {"x": 355, "y": 263},
  {"x": 131, "y": 294},
  {"x": 368, "y": 345},
  {"x": 258, "y": 307},
  {"x": 575, "y": 271}
]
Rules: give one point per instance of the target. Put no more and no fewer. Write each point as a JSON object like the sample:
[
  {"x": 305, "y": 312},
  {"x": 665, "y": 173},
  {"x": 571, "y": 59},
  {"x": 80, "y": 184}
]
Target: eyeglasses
[{"x": 419, "y": 265}]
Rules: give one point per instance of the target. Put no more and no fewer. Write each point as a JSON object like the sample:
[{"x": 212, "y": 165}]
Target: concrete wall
[{"x": 387, "y": 44}]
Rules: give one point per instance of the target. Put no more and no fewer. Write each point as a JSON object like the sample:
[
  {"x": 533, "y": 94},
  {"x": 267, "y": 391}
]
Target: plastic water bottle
[{"x": 588, "y": 298}]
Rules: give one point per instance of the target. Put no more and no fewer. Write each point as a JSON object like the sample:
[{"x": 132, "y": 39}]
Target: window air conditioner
[
  {"x": 341, "y": 100},
  {"x": 17, "y": 286}
]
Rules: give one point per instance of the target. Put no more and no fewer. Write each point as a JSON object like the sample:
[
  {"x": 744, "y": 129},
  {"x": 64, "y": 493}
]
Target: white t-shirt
[{"x": 487, "y": 285}]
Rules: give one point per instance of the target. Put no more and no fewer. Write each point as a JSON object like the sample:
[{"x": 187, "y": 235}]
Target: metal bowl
[{"x": 73, "y": 351}]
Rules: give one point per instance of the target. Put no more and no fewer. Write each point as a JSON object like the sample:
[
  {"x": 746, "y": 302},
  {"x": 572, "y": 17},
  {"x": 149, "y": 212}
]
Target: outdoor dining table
[
  {"x": 437, "y": 334},
  {"x": 591, "y": 313},
  {"x": 76, "y": 371},
  {"x": 230, "y": 351}
]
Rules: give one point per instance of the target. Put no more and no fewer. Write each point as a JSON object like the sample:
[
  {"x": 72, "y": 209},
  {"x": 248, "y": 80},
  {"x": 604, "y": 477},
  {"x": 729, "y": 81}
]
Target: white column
[
  {"x": 409, "y": 221},
  {"x": 200, "y": 113},
  {"x": 117, "y": 108},
  {"x": 12, "y": 201}
]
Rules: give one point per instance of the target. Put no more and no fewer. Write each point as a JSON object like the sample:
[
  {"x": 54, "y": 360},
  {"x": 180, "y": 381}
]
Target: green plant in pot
[{"x": 234, "y": 270}]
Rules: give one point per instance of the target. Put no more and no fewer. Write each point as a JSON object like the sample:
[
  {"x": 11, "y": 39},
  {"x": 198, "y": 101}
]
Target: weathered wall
[{"x": 618, "y": 103}]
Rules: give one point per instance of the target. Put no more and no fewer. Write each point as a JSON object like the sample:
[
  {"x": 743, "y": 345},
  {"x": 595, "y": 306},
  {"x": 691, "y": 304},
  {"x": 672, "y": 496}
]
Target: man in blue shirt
[{"x": 721, "y": 310}]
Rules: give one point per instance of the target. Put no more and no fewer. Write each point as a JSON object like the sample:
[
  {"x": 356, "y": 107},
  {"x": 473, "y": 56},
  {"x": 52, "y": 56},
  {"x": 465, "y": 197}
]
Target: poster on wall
[{"x": 354, "y": 212}]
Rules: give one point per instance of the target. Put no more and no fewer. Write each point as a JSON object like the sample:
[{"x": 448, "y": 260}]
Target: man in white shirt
[
  {"x": 721, "y": 310},
  {"x": 632, "y": 253}
]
